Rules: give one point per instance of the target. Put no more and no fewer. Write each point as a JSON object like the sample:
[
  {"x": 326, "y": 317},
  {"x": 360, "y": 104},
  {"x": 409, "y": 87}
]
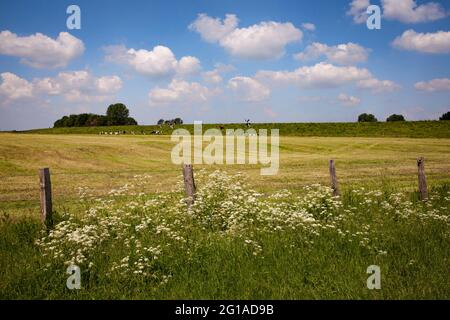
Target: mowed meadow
[{"x": 120, "y": 215}]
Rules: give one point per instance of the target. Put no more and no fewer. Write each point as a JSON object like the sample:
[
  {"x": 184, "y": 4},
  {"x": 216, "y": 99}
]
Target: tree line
[
  {"x": 169, "y": 122},
  {"x": 116, "y": 115},
  {"x": 367, "y": 117},
  {"x": 119, "y": 115}
]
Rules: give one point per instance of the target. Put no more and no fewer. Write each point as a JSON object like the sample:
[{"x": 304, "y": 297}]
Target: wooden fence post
[
  {"x": 334, "y": 181},
  {"x": 46, "y": 197},
  {"x": 423, "y": 192},
  {"x": 189, "y": 183}
]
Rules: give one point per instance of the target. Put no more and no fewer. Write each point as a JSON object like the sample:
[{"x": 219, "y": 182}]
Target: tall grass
[{"x": 234, "y": 243}]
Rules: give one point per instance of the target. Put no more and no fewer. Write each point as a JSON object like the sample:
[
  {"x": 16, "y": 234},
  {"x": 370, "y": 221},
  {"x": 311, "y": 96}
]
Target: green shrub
[
  {"x": 367, "y": 118},
  {"x": 395, "y": 118},
  {"x": 445, "y": 116}
]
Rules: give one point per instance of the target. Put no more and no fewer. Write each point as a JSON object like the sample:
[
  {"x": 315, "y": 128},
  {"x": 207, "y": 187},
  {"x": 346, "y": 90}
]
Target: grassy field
[
  {"x": 120, "y": 216},
  {"x": 102, "y": 163},
  {"x": 410, "y": 129}
]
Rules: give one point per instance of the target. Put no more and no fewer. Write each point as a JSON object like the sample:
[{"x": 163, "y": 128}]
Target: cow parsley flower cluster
[{"x": 134, "y": 236}]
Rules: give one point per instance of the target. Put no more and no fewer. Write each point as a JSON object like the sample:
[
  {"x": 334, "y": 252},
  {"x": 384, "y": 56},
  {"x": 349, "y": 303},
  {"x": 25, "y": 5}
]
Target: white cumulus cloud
[
  {"x": 358, "y": 10},
  {"x": 438, "y": 42},
  {"x": 266, "y": 40},
  {"x": 408, "y": 11},
  {"x": 308, "y": 26},
  {"x": 158, "y": 62},
  {"x": 73, "y": 86},
  {"x": 179, "y": 91},
  {"x": 108, "y": 84},
  {"x": 378, "y": 86},
  {"x": 14, "y": 88},
  {"x": 79, "y": 86},
  {"x": 214, "y": 29},
  {"x": 41, "y": 51},
  {"x": 188, "y": 65},
  {"x": 318, "y": 76},
  {"x": 442, "y": 84},
  {"x": 249, "y": 89},
  {"x": 348, "y": 101},
  {"x": 345, "y": 54},
  {"x": 325, "y": 75},
  {"x": 215, "y": 76}
]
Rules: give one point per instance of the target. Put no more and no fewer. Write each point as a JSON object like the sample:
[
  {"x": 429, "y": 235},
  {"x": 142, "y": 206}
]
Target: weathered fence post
[
  {"x": 46, "y": 196},
  {"x": 423, "y": 192},
  {"x": 189, "y": 183},
  {"x": 334, "y": 182}
]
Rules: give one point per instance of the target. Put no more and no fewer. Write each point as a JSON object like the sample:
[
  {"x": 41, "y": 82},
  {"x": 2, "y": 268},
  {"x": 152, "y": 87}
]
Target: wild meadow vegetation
[
  {"x": 121, "y": 216},
  {"x": 233, "y": 243}
]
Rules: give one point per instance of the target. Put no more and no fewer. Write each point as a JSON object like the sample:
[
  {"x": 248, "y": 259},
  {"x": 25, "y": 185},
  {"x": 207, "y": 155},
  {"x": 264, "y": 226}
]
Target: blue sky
[{"x": 269, "y": 61}]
